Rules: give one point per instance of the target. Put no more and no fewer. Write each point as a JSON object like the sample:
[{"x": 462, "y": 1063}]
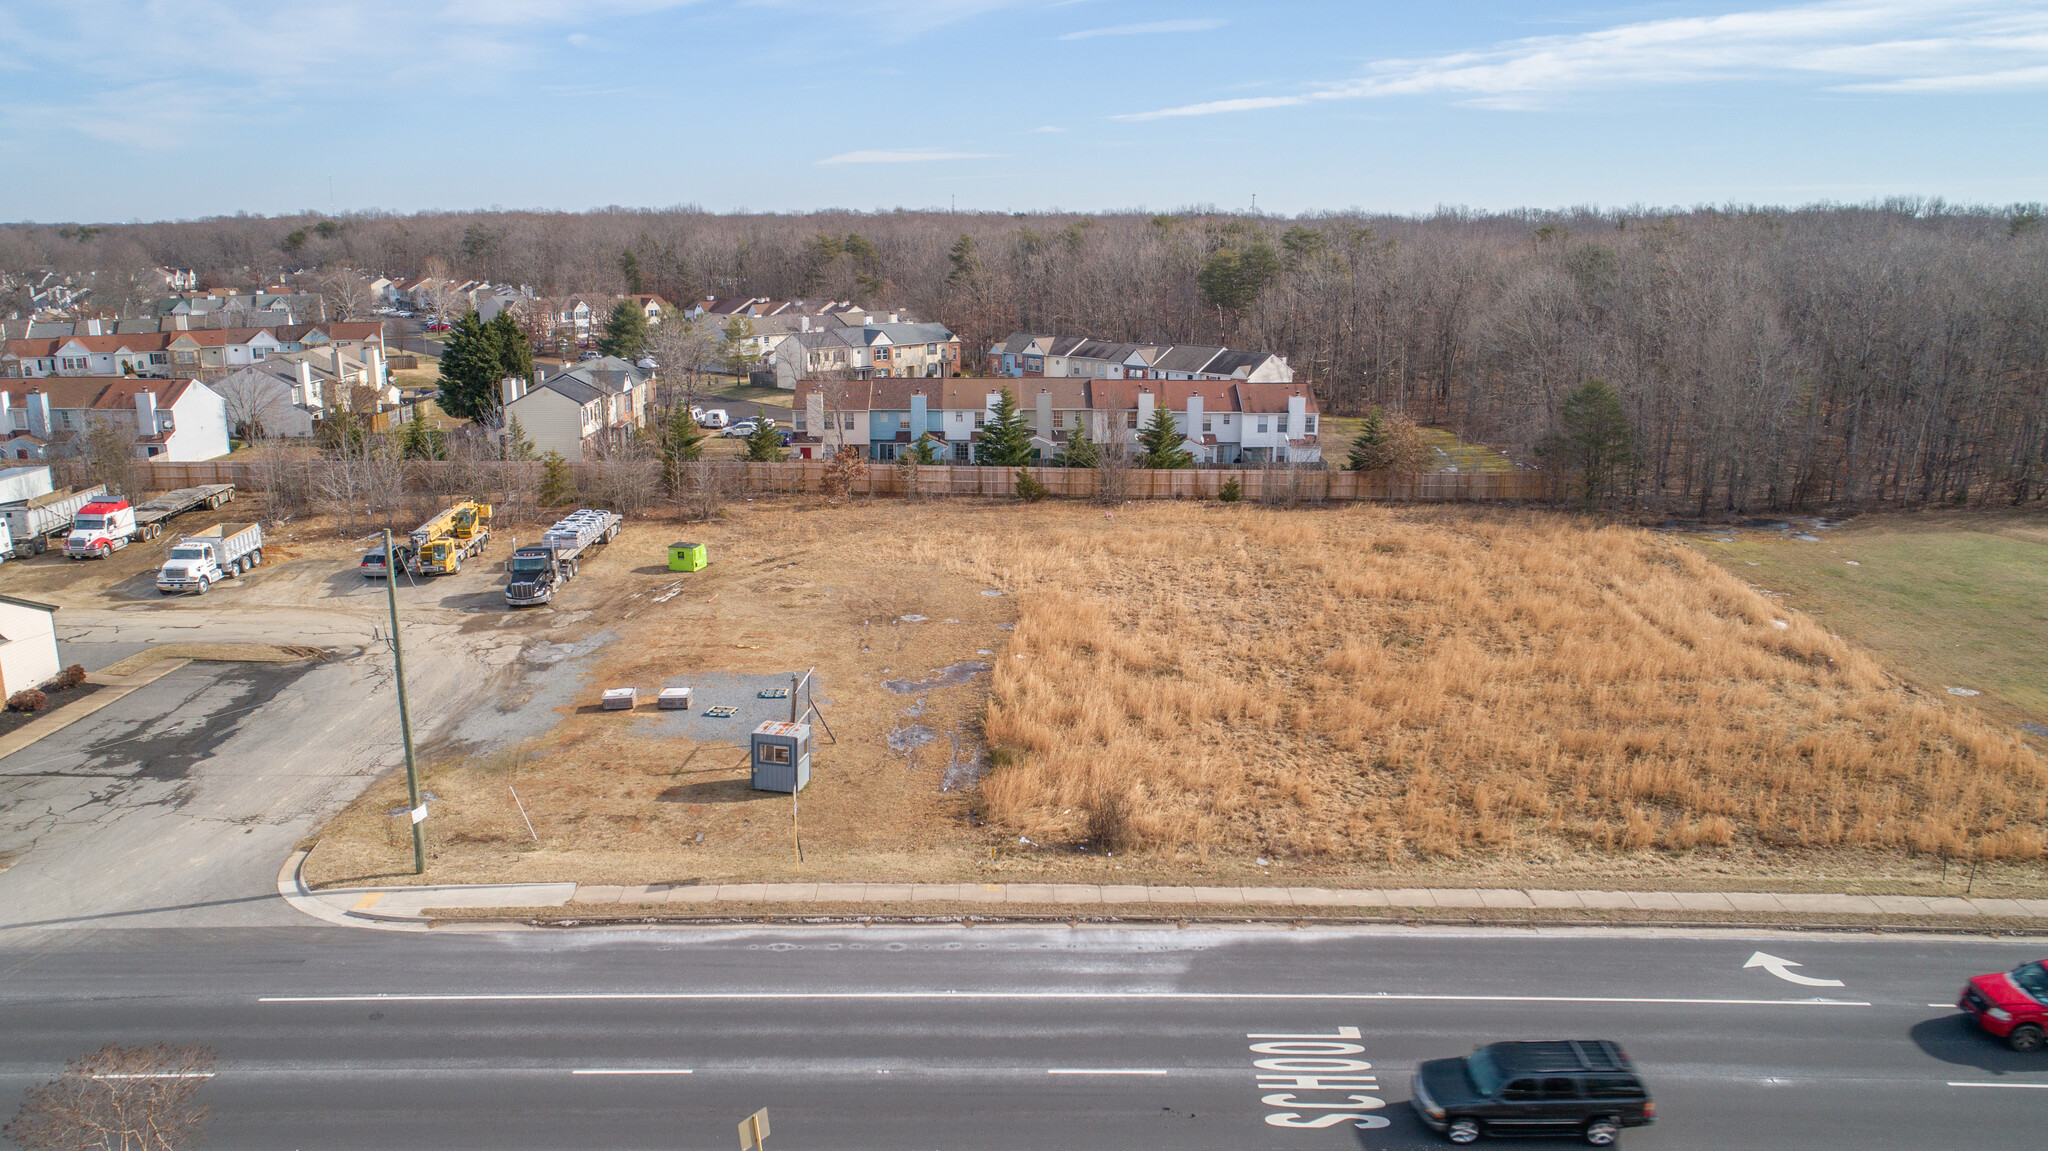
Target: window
[
  {"x": 1613, "y": 1087},
  {"x": 1131, "y": 418},
  {"x": 980, "y": 420},
  {"x": 159, "y": 358},
  {"x": 960, "y": 452},
  {"x": 258, "y": 353},
  {"x": 1311, "y": 425},
  {"x": 774, "y": 753},
  {"x": 959, "y": 417},
  {"x": 1521, "y": 1089},
  {"x": 1207, "y": 422},
  {"x": 1262, "y": 423},
  {"x": 1560, "y": 1087},
  {"x": 931, "y": 349},
  {"x": 848, "y": 425}
]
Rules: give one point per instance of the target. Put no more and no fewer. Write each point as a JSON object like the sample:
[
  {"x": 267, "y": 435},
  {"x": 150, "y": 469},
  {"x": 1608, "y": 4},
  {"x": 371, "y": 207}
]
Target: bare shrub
[
  {"x": 70, "y": 677},
  {"x": 119, "y": 1099},
  {"x": 846, "y": 468},
  {"x": 27, "y": 699}
]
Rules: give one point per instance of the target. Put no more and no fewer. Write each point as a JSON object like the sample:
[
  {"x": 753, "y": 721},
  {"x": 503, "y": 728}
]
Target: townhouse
[
  {"x": 176, "y": 420},
  {"x": 581, "y": 410},
  {"x": 1224, "y": 421},
  {"x": 134, "y": 347},
  {"x": 873, "y": 348},
  {"x": 1024, "y": 355}
]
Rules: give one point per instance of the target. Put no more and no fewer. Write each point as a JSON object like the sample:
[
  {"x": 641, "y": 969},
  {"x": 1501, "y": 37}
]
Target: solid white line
[
  {"x": 1104, "y": 1071},
  {"x": 156, "y": 1075},
  {"x": 633, "y": 1071},
  {"x": 2032, "y": 1086},
  {"x": 1245, "y": 996}
]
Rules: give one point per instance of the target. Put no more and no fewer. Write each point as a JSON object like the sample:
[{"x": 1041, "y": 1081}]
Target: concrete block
[
  {"x": 890, "y": 892},
  {"x": 1267, "y": 895},
  {"x": 1411, "y": 897},
  {"x": 1169, "y": 895},
  {"x": 1951, "y": 905},
  {"x": 1606, "y": 899},
  {"x": 1654, "y": 901},
  {"x": 1754, "y": 901},
  {"x": 2000, "y": 907},
  {"x": 1219, "y": 895},
  {"x": 1831, "y": 904},
  {"x": 792, "y": 892},
  {"x": 1027, "y": 893},
  {"x": 1458, "y": 897},
  {"x": 840, "y": 892},
  {"x": 1901, "y": 904},
  {"x": 747, "y": 892},
  {"x": 1317, "y": 896}
]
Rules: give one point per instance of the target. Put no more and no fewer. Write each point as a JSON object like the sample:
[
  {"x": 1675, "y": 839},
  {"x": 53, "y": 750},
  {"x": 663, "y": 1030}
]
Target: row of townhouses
[
  {"x": 104, "y": 348},
  {"x": 582, "y": 410},
  {"x": 177, "y": 420},
  {"x": 285, "y": 394},
  {"x": 1025, "y": 354},
  {"x": 1225, "y": 421}
]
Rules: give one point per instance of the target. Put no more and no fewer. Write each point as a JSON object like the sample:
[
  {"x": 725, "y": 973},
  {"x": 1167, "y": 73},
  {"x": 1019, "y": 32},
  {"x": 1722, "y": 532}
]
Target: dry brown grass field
[{"x": 1354, "y": 694}]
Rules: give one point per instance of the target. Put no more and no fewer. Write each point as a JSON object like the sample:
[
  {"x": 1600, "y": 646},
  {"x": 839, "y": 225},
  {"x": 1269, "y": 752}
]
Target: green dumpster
[{"x": 686, "y": 557}]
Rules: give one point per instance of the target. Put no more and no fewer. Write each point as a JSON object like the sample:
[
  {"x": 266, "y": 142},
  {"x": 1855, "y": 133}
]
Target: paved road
[{"x": 1001, "y": 1038}]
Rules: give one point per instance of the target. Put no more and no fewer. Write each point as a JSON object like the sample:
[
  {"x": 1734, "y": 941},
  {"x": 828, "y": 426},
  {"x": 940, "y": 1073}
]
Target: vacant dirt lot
[{"x": 1363, "y": 693}]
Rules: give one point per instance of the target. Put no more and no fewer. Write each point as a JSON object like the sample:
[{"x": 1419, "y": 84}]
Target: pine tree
[
  {"x": 418, "y": 440},
  {"x": 517, "y": 445},
  {"x": 684, "y": 443},
  {"x": 515, "y": 351},
  {"x": 557, "y": 485},
  {"x": 1596, "y": 437},
  {"x": 1006, "y": 438},
  {"x": 625, "y": 333},
  {"x": 1368, "y": 451},
  {"x": 472, "y": 363},
  {"x": 1161, "y": 441},
  {"x": 1081, "y": 452},
  {"x": 764, "y": 444},
  {"x": 925, "y": 451}
]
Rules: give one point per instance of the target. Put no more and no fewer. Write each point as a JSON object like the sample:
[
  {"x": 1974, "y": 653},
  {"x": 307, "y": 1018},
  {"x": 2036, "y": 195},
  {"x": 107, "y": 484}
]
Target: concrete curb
[
  {"x": 112, "y": 687},
  {"x": 291, "y": 885}
]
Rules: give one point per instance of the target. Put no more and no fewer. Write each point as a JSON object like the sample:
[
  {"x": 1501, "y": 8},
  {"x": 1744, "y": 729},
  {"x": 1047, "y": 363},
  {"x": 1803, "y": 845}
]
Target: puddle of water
[
  {"x": 913, "y": 618},
  {"x": 962, "y": 770},
  {"x": 952, "y": 676}
]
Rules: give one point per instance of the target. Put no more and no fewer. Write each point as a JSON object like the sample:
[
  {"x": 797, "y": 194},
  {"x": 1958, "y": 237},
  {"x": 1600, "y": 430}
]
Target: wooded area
[{"x": 1889, "y": 353}]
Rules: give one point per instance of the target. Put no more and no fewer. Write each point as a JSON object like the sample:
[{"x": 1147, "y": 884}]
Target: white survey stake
[{"x": 1782, "y": 968}]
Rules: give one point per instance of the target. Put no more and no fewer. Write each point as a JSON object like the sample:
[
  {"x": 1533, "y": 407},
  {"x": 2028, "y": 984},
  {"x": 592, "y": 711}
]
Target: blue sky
[{"x": 113, "y": 110}]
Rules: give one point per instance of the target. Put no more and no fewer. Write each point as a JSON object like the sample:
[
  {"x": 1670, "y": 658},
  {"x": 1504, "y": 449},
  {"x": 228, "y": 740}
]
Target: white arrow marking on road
[{"x": 1782, "y": 969}]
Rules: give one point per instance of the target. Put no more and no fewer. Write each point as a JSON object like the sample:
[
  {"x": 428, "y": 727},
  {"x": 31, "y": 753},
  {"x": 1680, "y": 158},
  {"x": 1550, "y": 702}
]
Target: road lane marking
[
  {"x": 1105, "y": 1071},
  {"x": 1239, "y": 996},
  {"x": 156, "y": 1075},
  {"x": 1782, "y": 968},
  {"x": 633, "y": 1071},
  {"x": 2028, "y": 1086}
]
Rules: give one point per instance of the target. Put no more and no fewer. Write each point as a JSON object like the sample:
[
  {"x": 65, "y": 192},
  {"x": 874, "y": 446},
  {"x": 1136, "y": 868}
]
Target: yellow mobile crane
[{"x": 441, "y": 544}]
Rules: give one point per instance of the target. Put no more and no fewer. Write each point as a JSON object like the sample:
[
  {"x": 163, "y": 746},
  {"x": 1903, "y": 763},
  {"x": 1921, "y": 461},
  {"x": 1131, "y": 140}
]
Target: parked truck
[
  {"x": 441, "y": 544},
  {"x": 33, "y": 523},
  {"x": 220, "y": 552},
  {"x": 537, "y": 570},
  {"x": 105, "y": 527}
]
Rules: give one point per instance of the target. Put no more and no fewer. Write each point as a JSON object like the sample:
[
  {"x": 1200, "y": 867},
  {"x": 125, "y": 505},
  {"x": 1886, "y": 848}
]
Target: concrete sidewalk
[{"x": 406, "y": 906}]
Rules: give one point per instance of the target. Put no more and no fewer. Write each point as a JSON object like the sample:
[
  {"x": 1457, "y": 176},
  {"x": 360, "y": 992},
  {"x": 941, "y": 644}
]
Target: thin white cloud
[
  {"x": 904, "y": 156},
  {"x": 1153, "y": 29},
  {"x": 1847, "y": 45}
]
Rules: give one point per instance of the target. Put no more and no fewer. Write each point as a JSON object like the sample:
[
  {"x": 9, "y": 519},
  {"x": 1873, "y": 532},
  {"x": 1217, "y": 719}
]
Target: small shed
[
  {"x": 781, "y": 755},
  {"x": 28, "y": 644},
  {"x": 686, "y": 557}
]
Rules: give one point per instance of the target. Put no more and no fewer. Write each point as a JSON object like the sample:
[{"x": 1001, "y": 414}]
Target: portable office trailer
[{"x": 782, "y": 756}]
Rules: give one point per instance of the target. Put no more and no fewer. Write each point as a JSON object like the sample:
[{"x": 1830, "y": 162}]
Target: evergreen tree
[
  {"x": 515, "y": 351},
  {"x": 925, "y": 451},
  {"x": 1081, "y": 452},
  {"x": 419, "y": 440},
  {"x": 1233, "y": 278},
  {"x": 764, "y": 444},
  {"x": 1595, "y": 438},
  {"x": 557, "y": 485},
  {"x": 1369, "y": 450},
  {"x": 625, "y": 333},
  {"x": 471, "y": 366},
  {"x": 1006, "y": 438},
  {"x": 684, "y": 443},
  {"x": 1161, "y": 443},
  {"x": 517, "y": 444}
]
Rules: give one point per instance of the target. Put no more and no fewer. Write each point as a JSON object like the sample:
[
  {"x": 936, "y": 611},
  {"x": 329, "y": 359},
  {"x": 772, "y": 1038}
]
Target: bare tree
[
  {"x": 109, "y": 451},
  {"x": 119, "y": 1099},
  {"x": 255, "y": 400},
  {"x": 682, "y": 348},
  {"x": 347, "y": 294}
]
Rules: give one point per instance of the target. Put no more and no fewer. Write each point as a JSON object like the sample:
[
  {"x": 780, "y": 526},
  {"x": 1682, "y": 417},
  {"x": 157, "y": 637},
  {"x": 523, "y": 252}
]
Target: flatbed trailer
[{"x": 151, "y": 515}]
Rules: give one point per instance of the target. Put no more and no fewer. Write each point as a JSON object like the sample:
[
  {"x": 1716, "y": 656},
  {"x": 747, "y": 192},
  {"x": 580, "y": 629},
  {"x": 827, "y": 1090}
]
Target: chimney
[
  {"x": 6, "y": 414},
  {"x": 1297, "y": 415},
  {"x": 182, "y": 322},
  {"x": 892, "y": 317},
  {"x": 145, "y": 413},
  {"x": 508, "y": 388},
  {"x": 920, "y": 421},
  {"x": 1145, "y": 401},
  {"x": 1042, "y": 426},
  {"x": 92, "y": 328},
  {"x": 1194, "y": 429},
  {"x": 307, "y": 390},
  {"x": 803, "y": 323},
  {"x": 39, "y": 415}
]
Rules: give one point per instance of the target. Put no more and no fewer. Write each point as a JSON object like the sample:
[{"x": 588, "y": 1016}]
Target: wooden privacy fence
[{"x": 1256, "y": 485}]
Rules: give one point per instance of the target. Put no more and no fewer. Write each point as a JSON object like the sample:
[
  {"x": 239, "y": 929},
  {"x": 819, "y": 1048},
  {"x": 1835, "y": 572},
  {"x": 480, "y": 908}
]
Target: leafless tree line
[{"x": 1769, "y": 358}]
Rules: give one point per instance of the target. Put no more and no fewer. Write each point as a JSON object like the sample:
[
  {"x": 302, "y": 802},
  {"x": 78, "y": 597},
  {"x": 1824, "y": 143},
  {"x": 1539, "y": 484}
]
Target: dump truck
[
  {"x": 220, "y": 552},
  {"x": 439, "y": 546},
  {"x": 102, "y": 528},
  {"x": 33, "y": 523},
  {"x": 538, "y": 569}
]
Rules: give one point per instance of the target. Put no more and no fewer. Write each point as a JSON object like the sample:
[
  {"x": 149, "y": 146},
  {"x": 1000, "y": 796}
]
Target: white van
[{"x": 715, "y": 418}]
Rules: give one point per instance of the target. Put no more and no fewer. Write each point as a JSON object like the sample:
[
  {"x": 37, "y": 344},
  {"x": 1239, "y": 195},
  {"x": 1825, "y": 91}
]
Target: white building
[
  {"x": 28, "y": 644},
  {"x": 175, "y": 420}
]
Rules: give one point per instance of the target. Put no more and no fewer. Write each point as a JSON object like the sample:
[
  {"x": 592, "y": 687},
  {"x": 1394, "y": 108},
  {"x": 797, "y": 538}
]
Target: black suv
[{"x": 1576, "y": 1086}]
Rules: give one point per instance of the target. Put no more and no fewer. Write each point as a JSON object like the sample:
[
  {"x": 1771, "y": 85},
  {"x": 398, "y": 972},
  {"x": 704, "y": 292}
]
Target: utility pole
[{"x": 412, "y": 768}]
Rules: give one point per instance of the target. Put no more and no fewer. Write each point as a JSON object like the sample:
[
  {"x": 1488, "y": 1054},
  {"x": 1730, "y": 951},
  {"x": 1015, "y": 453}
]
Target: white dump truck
[
  {"x": 198, "y": 562},
  {"x": 34, "y": 522}
]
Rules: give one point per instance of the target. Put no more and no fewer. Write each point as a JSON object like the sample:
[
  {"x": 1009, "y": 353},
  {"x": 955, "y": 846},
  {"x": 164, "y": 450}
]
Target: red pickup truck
[{"x": 2012, "y": 1005}]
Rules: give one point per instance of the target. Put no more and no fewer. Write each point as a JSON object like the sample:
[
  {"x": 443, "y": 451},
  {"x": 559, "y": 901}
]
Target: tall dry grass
[{"x": 1373, "y": 684}]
